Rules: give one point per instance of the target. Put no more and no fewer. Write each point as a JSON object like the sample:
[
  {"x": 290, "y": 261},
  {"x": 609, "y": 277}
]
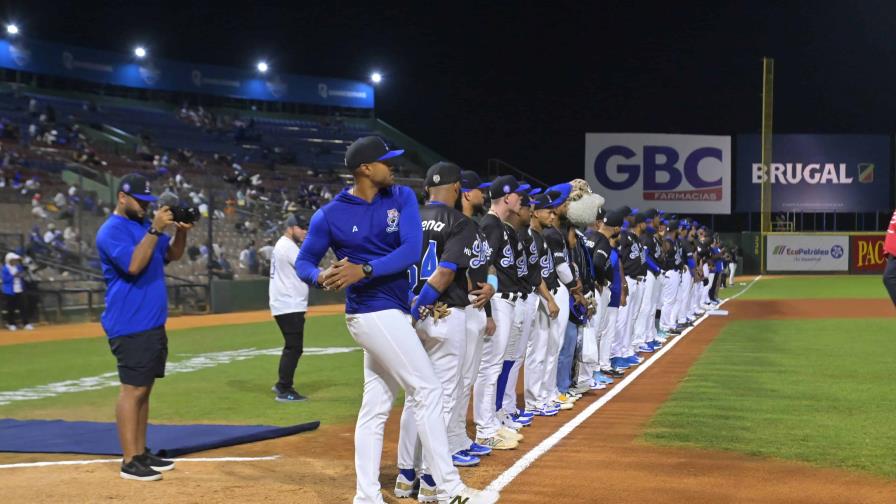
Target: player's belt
[
  {"x": 637, "y": 278},
  {"x": 512, "y": 296}
]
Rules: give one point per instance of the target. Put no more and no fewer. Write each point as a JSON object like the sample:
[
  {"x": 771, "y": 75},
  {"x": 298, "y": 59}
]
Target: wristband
[
  {"x": 155, "y": 232},
  {"x": 428, "y": 296},
  {"x": 493, "y": 281}
]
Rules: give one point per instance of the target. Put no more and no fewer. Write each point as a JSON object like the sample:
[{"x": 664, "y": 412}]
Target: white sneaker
[
  {"x": 498, "y": 443},
  {"x": 29, "y": 327},
  {"x": 427, "y": 493},
  {"x": 508, "y": 422},
  {"x": 404, "y": 487},
  {"x": 597, "y": 385},
  {"x": 11, "y": 327},
  {"x": 472, "y": 496}
]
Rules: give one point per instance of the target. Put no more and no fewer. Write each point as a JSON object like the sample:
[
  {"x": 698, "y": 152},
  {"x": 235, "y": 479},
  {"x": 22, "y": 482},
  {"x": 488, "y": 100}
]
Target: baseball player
[
  {"x": 645, "y": 317},
  {"x": 439, "y": 278},
  {"x": 672, "y": 277},
  {"x": 537, "y": 369},
  {"x": 688, "y": 275},
  {"x": 632, "y": 263},
  {"x": 889, "y": 277},
  {"x": 480, "y": 323},
  {"x": 505, "y": 201},
  {"x": 375, "y": 232},
  {"x": 538, "y": 293},
  {"x": 288, "y": 297},
  {"x": 607, "y": 268}
]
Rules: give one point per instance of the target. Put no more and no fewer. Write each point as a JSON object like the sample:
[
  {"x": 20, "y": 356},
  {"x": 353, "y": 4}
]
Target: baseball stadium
[{"x": 348, "y": 256}]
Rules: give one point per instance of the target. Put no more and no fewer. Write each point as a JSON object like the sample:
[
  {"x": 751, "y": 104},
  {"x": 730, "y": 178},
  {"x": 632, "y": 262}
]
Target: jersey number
[{"x": 428, "y": 264}]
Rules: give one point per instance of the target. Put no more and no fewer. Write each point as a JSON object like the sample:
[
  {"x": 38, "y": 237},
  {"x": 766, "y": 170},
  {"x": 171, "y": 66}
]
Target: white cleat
[{"x": 472, "y": 496}]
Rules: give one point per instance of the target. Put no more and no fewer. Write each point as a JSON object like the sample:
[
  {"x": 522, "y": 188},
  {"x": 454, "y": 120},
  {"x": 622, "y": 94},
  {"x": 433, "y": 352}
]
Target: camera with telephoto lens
[{"x": 184, "y": 214}]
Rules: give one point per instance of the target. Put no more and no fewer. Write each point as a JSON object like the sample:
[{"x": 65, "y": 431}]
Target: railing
[{"x": 497, "y": 167}]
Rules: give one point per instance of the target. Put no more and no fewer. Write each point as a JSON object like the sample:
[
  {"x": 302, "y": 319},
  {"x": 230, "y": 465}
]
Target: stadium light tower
[
  {"x": 12, "y": 29},
  {"x": 376, "y": 77},
  {"x": 140, "y": 52},
  {"x": 262, "y": 66}
]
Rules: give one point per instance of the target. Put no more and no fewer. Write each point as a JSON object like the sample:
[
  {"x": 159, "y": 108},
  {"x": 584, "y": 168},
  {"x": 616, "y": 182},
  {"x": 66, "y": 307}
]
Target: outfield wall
[{"x": 853, "y": 253}]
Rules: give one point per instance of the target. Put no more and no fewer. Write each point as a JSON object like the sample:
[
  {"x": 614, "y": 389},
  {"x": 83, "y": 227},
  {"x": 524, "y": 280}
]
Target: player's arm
[
  {"x": 564, "y": 272},
  {"x": 316, "y": 243},
  {"x": 553, "y": 309}
]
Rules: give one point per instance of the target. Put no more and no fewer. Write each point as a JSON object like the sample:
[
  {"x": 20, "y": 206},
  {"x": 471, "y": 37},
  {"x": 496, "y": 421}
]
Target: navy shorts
[{"x": 141, "y": 356}]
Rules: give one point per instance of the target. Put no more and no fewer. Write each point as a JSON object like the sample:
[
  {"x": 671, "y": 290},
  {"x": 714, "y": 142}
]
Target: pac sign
[{"x": 676, "y": 173}]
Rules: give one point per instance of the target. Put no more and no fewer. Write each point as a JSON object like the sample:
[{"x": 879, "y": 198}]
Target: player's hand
[
  {"x": 483, "y": 294},
  {"x": 343, "y": 274},
  {"x": 490, "y": 327},
  {"x": 323, "y": 275},
  {"x": 163, "y": 218},
  {"x": 623, "y": 300},
  {"x": 553, "y": 309},
  {"x": 181, "y": 226}
]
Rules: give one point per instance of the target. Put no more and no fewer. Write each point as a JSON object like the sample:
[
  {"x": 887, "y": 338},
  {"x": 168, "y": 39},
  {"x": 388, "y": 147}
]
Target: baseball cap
[
  {"x": 601, "y": 213},
  {"x": 367, "y": 150},
  {"x": 563, "y": 190},
  {"x": 614, "y": 218},
  {"x": 545, "y": 199},
  {"x": 650, "y": 213},
  {"x": 625, "y": 210},
  {"x": 639, "y": 218},
  {"x": 535, "y": 191},
  {"x": 502, "y": 186},
  {"x": 136, "y": 186},
  {"x": 634, "y": 211},
  {"x": 525, "y": 201},
  {"x": 470, "y": 180},
  {"x": 523, "y": 188},
  {"x": 442, "y": 173},
  {"x": 296, "y": 220}
]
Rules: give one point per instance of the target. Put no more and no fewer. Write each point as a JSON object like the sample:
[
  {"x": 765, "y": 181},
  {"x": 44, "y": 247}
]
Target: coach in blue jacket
[{"x": 133, "y": 253}]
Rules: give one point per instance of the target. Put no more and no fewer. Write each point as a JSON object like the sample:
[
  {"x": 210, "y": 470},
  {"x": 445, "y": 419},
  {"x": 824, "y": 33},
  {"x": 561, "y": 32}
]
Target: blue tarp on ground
[{"x": 98, "y": 438}]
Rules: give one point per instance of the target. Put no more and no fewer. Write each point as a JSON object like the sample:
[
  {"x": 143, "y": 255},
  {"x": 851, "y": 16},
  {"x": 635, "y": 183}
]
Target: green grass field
[
  {"x": 818, "y": 391},
  {"x": 235, "y": 392},
  {"x": 818, "y": 287}
]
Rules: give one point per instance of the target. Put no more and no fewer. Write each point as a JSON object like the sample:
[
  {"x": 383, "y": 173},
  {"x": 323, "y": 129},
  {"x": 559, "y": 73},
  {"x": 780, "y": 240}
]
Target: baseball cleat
[
  {"x": 157, "y": 463},
  {"x": 619, "y": 363},
  {"x": 597, "y": 385},
  {"x": 509, "y": 434},
  {"x": 524, "y": 421},
  {"x": 479, "y": 450},
  {"x": 428, "y": 491},
  {"x": 463, "y": 458},
  {"x": 644, "y": 347},
  {"x": 524, "y": 413},
  {"x": 601, "y": 377},
  {"x": 580, "y": 389},
  {"x": 472, "y": 496},
  {"x": 497, "y": 443},
  {"x": 407, "y": 483},
  {"x": 545, "y": 411}
]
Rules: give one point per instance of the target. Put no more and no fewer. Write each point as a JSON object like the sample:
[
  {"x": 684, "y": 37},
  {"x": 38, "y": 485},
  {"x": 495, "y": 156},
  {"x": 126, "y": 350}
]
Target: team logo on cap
[
  {"x": 506, "y": 189},
  {"x": 436, "y": 178},
  {"x": 147, "y": 191},
  {"x": 392, "y": 220},
  {"x": 126, "y": 187}
]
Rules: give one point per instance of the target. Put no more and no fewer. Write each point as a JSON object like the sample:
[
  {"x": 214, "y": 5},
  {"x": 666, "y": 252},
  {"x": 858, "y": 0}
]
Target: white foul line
[
  {"x": 532, "y": 455},
  {"x": 118, "y": 461}
]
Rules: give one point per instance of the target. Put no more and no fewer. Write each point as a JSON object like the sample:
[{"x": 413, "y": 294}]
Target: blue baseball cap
[
  {"x": 502, "y": 186},
  {"x": 470, "y": 180},
  {"x": 523, "y": 188},
  {"x": 136, "y": 186},
  {"x": 368, "y": 150},
  {"x": 535, "y": 191},
  {"x": 563, "y": 190}
]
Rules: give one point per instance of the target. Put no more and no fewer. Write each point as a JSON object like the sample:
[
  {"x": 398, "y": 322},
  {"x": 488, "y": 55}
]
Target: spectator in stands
[
  {"x": 31, "y": 185},
  {"x": 60, "y": 200},
  {"x": 37, "y": 208},
  {"x": 14, "y": 291},
  {"x": 265, "y": 254},
  {"x": 51, "y": 233},
  {"x": 220, "y": 268}
]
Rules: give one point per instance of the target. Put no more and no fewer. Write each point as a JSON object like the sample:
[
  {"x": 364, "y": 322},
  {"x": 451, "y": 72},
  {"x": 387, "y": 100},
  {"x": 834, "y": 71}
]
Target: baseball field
[{"x": 786, "y": 399}]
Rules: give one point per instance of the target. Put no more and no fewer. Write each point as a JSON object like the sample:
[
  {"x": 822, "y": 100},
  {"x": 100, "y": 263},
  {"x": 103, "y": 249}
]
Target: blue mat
[{"x": 97, "y": 438}]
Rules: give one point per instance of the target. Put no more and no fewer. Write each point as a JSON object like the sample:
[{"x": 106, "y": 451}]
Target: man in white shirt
[{"x": 289, "y": 301}]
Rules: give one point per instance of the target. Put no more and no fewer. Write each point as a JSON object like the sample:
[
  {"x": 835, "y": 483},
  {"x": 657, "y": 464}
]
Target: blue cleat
[
  {"x": 524, "y": 421},
  {"x": 633, "y": 360},
  {"x": 600, "y": 377},
  {"x": 619, "y": 363},
  {"x": 645, "y": 347},
  {"x": 463, "y": 458},
  {"x": 477, "y": 450},
  {"x": 524, "y": 413}
]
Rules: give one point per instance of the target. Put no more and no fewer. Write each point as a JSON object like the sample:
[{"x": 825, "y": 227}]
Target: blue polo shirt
[{"x": 134, "y": 303}]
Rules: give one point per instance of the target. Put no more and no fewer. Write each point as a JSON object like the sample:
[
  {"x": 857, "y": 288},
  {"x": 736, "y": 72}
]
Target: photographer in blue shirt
[{"x": 133, "y": 253}]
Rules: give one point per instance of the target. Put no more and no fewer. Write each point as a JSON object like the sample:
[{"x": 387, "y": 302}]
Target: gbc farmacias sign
[
  {"x": 816, "y": 173},
  {"x": 795, "y": 252},
  {"x": 677, "y": 173}
]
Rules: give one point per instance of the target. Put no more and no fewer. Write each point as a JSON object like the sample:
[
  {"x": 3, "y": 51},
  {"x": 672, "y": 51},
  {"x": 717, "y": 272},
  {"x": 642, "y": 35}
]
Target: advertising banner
[
  {"x": 108, "y": 67},
  {"x": 815, "y": 253},
  {"x": 816, "y": 173},
  {"x": 867, "y": 253},
  {"x": 688, "y": 174}
]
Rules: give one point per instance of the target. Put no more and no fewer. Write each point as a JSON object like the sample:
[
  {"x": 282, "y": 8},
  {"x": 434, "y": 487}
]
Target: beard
[{"x": 134, "y": 215}]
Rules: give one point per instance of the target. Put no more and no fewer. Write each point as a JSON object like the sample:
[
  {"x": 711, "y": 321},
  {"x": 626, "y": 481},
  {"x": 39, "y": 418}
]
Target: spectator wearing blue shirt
[
  {"x": 14, "y": 291},
  {"x": 133, "y": 254},
  {"x": 374, "y": 228}
]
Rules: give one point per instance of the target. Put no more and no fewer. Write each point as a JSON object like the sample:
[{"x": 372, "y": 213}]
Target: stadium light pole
[
  {"x": 12, "y": 29},
  {"x": 262, "y": 67},
  {"x": 376, "y": 77},
  {"x": 140, "y": 52}
]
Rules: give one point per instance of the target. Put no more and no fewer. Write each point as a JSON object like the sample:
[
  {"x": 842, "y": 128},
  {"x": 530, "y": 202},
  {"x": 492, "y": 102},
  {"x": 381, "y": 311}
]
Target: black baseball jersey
[
  {"x": 448, "y": 240},
  {"x": 580, "y": 255},
  {"x": 648, "y": 250},
  {"x": 545, "y": 261},
  {"x": 482, "y": 259},
  {"x": 555, "y": 241},
  {"x": 603, "y": 267},
  {"x": 503, "y": 252},
  {"x": 521, "y": 261},
  {"x": 687, "y": 250},
  {"x": 533, "y": 275},
  {"x": 630, "y": 254}
]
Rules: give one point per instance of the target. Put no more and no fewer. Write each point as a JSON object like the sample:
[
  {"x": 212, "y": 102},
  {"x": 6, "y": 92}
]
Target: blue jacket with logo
[{"x": 386, "y": 233}]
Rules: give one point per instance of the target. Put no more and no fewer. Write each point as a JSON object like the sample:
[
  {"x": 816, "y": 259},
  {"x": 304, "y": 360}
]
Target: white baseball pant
[
  {"x": 625, "y": 322},
  {"x": 556, "y": 333},
  {"x": 525, "y": 316},
  {"x": 645, "y": 314},
  {"x": 537, "y": 356},
  {"x": 671, "y": 284},
  {"x": 684, "y": 297},
  {"x": 394, "y": 358},
  {"x": 732, "y": 267},
  {"x": 445, "y": 342},
  {"x": 607, "y": 331},
  {"x": 493, "y": 351},
  {"x": 475, "y": 333},
  {"x": 652, "y": 330},
  {"x": 694, "y": 302}
]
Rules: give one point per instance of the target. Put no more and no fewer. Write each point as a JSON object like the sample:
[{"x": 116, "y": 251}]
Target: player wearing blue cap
[
  {"x": 374, "y": 229},
  {"x": 672, "y": 279}
]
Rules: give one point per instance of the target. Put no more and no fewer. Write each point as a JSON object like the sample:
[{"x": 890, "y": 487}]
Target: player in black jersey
[
  {"x": 609, "y": 229},
  {"x": 505, "y": 201},
  {"x": 672, "y": 278},
  {"x": 479, "y": 320},
  {"x": 643, "y": 340},
  {"x": 630, "y": 253},
  {"x": 449, "y": 238}
]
